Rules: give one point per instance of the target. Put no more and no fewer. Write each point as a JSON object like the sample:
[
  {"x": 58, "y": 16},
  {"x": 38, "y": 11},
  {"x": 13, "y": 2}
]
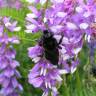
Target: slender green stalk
[{"x": 66, "y": 89}]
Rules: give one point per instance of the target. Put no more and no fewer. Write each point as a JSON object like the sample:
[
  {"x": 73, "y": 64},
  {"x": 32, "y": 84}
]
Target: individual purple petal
[
  {"x": 1, "y": 31},
  {"x": 14, "y": 64},
  {"x": 33, "y": 9},
  {"x": 34, "y": 51},
  {"x": 8, "y": 72},
  {"x": 37, "y": 82},
  {"x": 5, "y": 82},
  {"x": 14, "y": 82}
]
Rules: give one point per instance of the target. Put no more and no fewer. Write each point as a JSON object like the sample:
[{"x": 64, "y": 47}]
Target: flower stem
[{"x": 65, "y": 85}]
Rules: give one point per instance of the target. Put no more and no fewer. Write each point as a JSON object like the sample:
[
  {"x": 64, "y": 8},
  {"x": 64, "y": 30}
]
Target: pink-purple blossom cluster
[
  {"x": 8, "y": 72},
  {"x": 76, "y": 21},
  {"x": 11, "y": 3}
]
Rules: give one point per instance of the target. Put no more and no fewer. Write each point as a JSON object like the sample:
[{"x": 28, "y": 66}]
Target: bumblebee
[{"x": 51, "y": 46}]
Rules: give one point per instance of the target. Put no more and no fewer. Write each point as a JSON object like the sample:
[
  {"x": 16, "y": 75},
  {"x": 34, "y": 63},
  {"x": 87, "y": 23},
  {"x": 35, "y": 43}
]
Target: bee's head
[{"x": 47, "y": 34}]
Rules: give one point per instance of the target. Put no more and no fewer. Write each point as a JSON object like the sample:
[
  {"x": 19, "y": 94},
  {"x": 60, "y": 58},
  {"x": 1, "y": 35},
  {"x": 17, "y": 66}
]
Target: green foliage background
[{"x": 81, "y": 83}]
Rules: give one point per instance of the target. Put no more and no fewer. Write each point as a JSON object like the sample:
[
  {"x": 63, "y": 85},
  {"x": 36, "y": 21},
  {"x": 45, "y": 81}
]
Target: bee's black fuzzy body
[{"x": 50, "y": 46}]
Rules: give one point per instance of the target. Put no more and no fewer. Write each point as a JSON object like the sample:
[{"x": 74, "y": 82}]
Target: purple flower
[
  {"x": 11, "y": 26},
  {"x": 8, "y": 72},
  {"x": 11, "y": 3},
  {"x": 1, "y": 3},
  {"x": 44, "y": 74},
  {"x": 70, "y": 18},
  {"x": 35, "y": 51}
]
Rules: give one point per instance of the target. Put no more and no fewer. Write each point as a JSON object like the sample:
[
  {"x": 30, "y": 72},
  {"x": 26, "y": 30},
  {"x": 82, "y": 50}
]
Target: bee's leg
[
  {"x": 60, "y": 66},
  {"x": 60, "y": 41},
  {"x": 40, "y": 41},
  {"x": 59, "y": 47}
]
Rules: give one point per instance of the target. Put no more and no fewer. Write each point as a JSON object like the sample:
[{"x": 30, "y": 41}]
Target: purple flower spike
[
  {"x": 11, "y": 26},
  {"x": 65, "y": 22},
  {"x": 45, "y": 76},
  {"x": 8, "y": 72}
]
